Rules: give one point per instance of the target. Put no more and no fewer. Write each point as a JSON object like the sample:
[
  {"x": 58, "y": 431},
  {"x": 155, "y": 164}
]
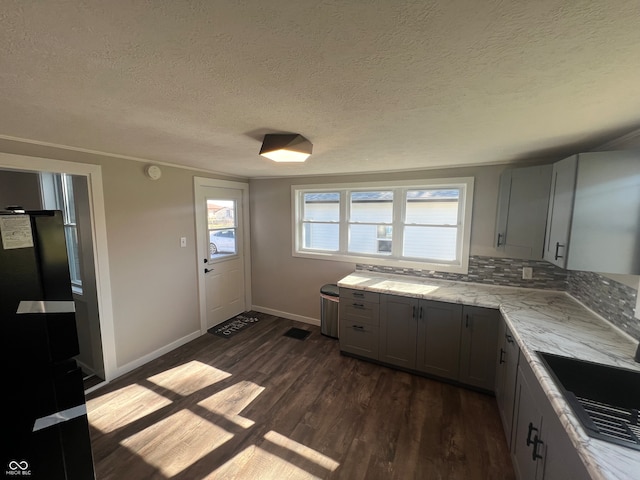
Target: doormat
[
  {"x": 237, "y": 324},
  {"x": 297, "y": 333}
]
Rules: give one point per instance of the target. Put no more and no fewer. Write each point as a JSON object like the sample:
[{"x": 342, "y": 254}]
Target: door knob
[{"x": 207, "y": 270}]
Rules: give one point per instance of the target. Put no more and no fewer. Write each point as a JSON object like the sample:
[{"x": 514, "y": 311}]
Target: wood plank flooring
[{"x": 264, "y": 406}]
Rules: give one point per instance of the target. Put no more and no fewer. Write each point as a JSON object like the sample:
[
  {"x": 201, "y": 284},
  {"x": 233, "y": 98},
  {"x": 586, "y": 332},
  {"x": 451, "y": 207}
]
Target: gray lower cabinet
[
  {"x": 441, "y": 339},
  {"x": 359, "y": 314},
  {"x": 506, "y": 372},
  {"x": 541, "y": 448},
  {"x": 477, "y": 346},
  {"x": 398, "y": 328}
]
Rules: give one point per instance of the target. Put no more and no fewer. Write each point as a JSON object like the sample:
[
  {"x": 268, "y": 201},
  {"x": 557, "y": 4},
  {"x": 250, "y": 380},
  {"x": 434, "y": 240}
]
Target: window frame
[
  {"x": 57, "y": 194},
  {"x": 459, "y": 265}
]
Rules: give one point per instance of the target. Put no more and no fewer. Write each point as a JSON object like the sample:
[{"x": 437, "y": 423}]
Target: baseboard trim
[
  {"x": 287, "y": 315},
  {"x": 155, "y": 354}
]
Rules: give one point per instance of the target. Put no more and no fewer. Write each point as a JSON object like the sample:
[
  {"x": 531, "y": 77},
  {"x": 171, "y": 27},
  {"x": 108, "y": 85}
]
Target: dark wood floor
[{"x": 264, "y": 406}]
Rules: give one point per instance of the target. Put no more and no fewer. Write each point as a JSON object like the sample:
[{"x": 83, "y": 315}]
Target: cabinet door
[
  {"x": 522, "y": 211},
  {"x": 563, "y": 184},
  {"x": 501, "y": 361},
  {"x": 506, "y": 372},
  {"x": 359, "y": 339},
  {"x": 438, "y": 341},
  {"x": 527, "y": 448},
  {"x": 398, "y": 328},
  {"x": 605, "y": 225},
  {"x": 478, "y": 347}
]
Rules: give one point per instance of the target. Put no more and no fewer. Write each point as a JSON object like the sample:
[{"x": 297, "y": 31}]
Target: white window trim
[
  {"x": 52, "y": 199},
  {"x": 466, "y": 185}
]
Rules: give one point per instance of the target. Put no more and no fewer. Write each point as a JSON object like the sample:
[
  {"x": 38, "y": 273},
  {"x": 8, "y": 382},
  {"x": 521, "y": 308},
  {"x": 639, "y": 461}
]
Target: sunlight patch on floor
[
  {"x": 189, "y": 378},
  {"x": 233, "y": 400},
  {"x": 167, "y": 444},
  {"x": 302, "y": 450},
  {"x": 119, "y": 408},
  {"x": 254, "y": 462}
]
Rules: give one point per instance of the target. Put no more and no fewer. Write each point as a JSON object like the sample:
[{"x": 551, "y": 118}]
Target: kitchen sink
[{"x": 606, "y": 399}]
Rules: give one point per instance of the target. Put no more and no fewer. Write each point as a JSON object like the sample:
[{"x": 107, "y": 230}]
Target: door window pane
[{"x": 221, "y": 220}]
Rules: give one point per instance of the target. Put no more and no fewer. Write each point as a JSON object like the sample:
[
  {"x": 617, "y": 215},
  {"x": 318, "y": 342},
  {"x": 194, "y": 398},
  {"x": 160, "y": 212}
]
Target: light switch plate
[
  {"x": 527, "y": 273},
  {"x": 183, "y": 242}
]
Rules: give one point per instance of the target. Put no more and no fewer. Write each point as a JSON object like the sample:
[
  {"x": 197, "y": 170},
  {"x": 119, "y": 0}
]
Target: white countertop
[{"x": 540, "y": 320}]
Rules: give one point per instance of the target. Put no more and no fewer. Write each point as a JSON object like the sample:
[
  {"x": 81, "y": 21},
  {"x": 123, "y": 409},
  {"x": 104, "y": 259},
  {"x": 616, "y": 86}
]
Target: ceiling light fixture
[{"x": 288, "y": 147}]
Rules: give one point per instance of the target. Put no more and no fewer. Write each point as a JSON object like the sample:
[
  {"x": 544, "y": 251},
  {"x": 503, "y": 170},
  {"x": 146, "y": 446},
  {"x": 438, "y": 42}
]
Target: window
[
  {"x": 222, "y": 226},
  {"x": 417, "y": 224},
  {"x": 57, "y": 193}
]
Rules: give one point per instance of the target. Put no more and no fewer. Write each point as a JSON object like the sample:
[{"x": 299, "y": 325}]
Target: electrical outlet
[
  {"x": 183, "y": 242},
  {"x": 527, "y": 273}
]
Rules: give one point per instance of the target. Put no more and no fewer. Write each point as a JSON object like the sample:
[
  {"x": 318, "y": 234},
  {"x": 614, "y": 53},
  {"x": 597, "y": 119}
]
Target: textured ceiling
[{"x": 376, "y": 85}]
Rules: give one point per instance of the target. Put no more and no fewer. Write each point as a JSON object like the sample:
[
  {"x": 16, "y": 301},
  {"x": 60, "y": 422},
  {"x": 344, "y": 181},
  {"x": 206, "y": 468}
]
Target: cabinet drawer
[
  {"x": 349, "y": 294},
  {"x": 359, "y": 311},
  {"x": 359, "y": 339}
]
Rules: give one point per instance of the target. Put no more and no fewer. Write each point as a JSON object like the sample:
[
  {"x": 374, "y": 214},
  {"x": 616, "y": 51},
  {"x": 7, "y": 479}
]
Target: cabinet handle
[
  {"x": 358, "y": 294},
  {"x": 466, "y": 320},
  {"x": 360, "y": 327},
  {"x": 413, "y": 312},
  {"x": 502, "y": 352},
  {"x": 531, "y": 430},
  {"x": 499, "y": 242},
  {"x": 420, "y": 313},
  {"x": 534, "y": 451},
  {"x": 358, "y": 305},
  {"x": 557, "y": 247}
]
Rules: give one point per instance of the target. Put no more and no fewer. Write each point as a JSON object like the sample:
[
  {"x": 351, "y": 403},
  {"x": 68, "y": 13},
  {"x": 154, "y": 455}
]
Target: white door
[{"x": 221, "y": 253}]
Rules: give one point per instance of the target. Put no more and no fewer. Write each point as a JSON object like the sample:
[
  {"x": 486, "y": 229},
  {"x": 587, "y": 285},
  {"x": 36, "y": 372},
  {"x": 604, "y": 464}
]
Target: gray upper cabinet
[
  {"x": 594, "y": 213},
  {"x": 522, "y": 211},
  {"x": 563, "y": 186}
]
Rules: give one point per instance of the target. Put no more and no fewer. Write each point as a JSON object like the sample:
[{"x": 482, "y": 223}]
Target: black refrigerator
[{"x": 45, "y": 426}]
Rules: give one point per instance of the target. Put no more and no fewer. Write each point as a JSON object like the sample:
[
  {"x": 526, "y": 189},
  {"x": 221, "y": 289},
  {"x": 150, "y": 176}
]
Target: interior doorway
[{"x": 23, "y": 178}]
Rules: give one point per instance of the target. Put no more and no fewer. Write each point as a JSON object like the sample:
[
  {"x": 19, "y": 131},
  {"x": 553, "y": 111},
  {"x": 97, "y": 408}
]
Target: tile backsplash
[
  {"x": 492, "y": 270},
  {"x": 613, "y": 300},
  {"x": 610, "y": 299}
]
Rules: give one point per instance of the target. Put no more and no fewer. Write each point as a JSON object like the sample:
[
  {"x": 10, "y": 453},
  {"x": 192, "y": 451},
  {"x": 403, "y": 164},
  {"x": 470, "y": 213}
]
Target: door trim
[
  {"x": 201, "y": 249},
  {"x": 99, "y": 232}
]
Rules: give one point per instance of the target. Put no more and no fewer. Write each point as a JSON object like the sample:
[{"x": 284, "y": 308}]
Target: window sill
[{"x": 462, "y": 268}]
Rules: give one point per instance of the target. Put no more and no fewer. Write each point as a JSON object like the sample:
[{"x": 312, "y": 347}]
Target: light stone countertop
[{"x": 540, "y": 320}]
